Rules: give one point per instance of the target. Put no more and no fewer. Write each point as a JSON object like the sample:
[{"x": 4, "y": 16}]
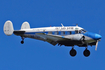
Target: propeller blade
[{"x": 96, "y": 45}]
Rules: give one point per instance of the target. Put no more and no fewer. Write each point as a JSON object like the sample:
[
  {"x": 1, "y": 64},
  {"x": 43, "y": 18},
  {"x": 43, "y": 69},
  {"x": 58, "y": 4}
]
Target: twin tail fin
[{"x": 9, "y": 29}]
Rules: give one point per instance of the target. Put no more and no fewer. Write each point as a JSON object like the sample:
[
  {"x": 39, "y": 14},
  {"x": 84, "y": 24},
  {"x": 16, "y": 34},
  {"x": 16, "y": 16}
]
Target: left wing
[{"x": 52, "y": 39}]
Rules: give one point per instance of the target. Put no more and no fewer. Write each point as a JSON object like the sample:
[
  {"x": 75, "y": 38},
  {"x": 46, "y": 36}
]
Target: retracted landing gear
[
  {"x": 22, "y": 42},
  {"x": 73, "y": 52},
  {"x": 86, "y": 52}
]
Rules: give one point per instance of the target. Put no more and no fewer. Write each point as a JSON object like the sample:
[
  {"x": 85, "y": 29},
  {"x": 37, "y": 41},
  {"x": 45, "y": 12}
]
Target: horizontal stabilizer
[
  {"x": 8, "y": 28},
  {"x": 18, "y": 32}
]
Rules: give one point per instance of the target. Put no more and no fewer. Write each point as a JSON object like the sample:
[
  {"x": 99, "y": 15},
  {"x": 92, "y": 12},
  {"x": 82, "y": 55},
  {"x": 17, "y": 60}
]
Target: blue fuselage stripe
[
  {"x": 88, "y": 34},
  {"x": 54, "y": 32}
]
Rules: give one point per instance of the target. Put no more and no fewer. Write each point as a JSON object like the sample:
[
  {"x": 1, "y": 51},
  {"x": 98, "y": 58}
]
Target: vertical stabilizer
[
  {"x": 25, "y": 25},
  {"x": 8, "y": 28}
]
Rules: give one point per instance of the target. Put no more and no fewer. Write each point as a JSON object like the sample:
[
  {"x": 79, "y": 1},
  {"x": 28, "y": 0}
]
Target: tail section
[
  {"x": 25, "y": 25},
  {"x": 8, "y": 28}
]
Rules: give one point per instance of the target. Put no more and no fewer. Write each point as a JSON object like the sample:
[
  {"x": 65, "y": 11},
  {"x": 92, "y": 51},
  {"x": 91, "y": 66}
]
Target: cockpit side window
[
  {"x": 76, "y": 31},
  {"x": 79, "y": 31}
]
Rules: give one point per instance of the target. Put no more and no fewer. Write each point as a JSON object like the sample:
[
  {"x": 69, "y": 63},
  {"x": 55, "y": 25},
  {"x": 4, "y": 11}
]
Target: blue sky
[{"x": 38, "y": 55}]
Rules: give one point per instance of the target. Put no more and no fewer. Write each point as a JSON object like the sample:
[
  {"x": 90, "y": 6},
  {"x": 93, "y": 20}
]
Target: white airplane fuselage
[
  {"x": 64, "y": 35},
  {"x": 74, "y": 35}
]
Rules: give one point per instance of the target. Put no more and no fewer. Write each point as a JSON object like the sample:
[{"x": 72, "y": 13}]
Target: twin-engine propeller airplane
[{"x": 64, "y": 35}]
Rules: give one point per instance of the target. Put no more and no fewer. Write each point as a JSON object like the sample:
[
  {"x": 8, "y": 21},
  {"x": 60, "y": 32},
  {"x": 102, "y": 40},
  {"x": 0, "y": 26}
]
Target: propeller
[
  {"x": 96, "y": 45},
  {"x": 97, "y": 42},
  {"x": 83, "y": 39}
]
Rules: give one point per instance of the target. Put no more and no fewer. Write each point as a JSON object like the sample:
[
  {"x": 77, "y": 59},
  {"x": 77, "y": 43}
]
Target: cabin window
[
  {"x": 69, "y": 33},
  {"x": 66, "y": 33},
  {"x": 56, "y": 33},
  {"x": 62, "y": 33},
  {"x": 73, "y": 32},
  {"x": 49, "y": 32}
]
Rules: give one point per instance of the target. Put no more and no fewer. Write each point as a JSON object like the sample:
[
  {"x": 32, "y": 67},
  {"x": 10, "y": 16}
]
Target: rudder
[
  {"x": 25, "y": 25},
  {"x": 8, "y": 28}
]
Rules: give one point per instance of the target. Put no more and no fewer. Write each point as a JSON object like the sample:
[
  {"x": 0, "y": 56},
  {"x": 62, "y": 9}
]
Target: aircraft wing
[{"x": 52, "y": 39}]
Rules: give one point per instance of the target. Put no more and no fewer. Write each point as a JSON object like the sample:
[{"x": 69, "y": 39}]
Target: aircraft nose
[{"x": 97, "y": 36}]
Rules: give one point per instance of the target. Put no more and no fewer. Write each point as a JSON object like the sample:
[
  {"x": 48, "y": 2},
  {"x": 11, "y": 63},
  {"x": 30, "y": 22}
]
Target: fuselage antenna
[
  {"x": 62, "y": 25},
  {"x": 76, "y": 24}
]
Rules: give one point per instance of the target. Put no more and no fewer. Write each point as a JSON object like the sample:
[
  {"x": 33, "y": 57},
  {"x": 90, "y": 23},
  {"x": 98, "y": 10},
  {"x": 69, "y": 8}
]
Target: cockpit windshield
[{"x": 82, "y": 31}]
